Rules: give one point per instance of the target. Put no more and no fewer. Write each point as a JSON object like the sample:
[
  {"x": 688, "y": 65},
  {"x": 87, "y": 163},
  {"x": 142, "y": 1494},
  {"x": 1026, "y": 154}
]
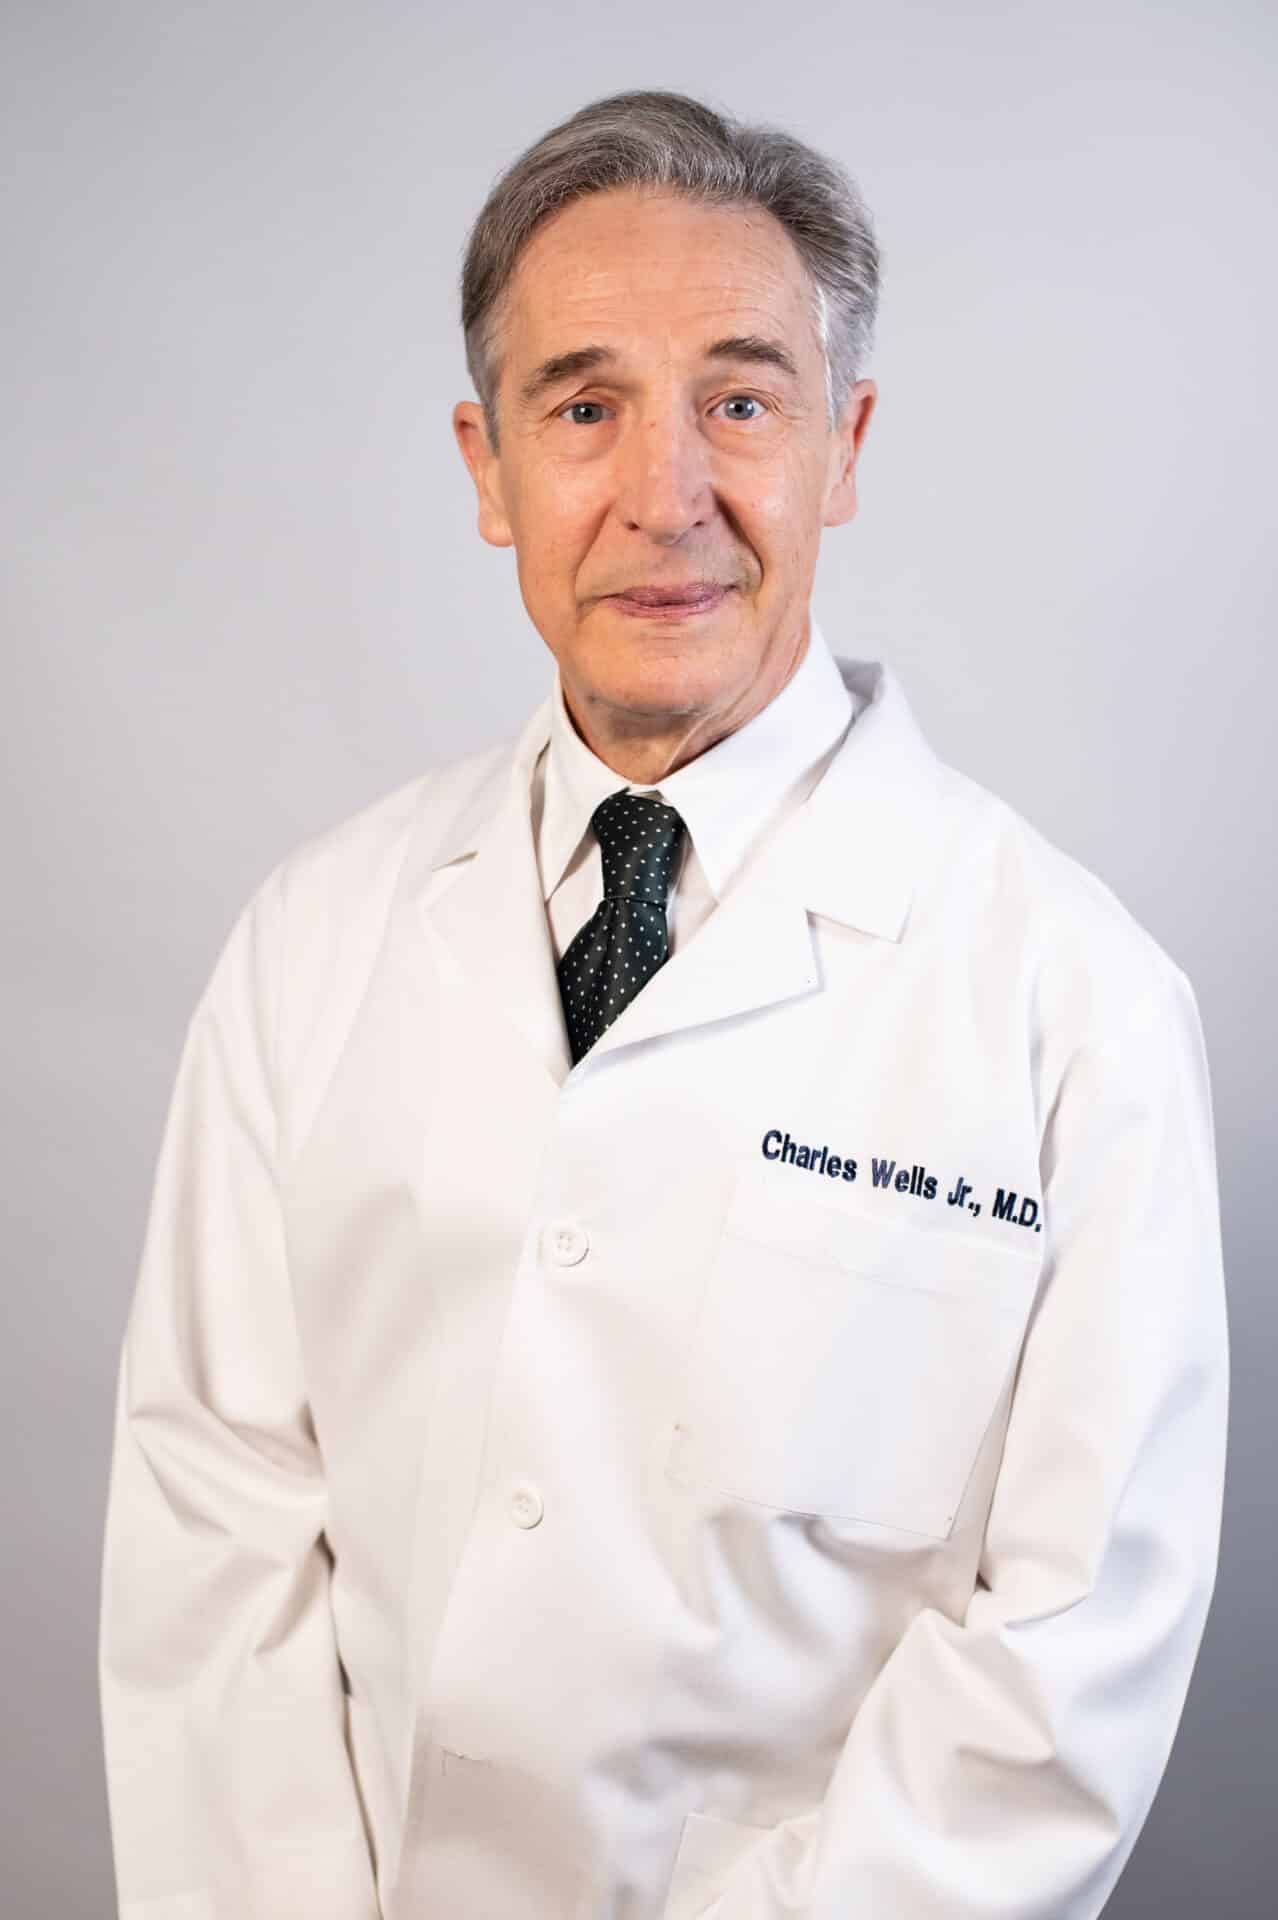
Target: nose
[{"x": 664, "y": 483}]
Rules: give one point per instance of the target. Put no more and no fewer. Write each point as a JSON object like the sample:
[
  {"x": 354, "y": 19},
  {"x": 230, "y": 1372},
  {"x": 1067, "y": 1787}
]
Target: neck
[{"x": 645, "y": 747}]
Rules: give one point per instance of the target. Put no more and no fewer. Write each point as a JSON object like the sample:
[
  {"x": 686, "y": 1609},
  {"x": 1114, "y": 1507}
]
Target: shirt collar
[{"x": 726, "y": 795}]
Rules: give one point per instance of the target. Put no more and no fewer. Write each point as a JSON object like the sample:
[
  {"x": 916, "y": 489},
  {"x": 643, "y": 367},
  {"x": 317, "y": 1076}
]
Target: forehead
[{"x": 656, "y": 269}]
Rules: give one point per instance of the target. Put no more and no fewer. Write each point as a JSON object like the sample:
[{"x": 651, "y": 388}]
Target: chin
[{"x": 666, "y": 687}]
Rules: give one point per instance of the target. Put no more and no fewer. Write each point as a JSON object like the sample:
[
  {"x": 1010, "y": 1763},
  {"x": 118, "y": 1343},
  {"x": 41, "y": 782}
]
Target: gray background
[{"x": 244, "y": 596}]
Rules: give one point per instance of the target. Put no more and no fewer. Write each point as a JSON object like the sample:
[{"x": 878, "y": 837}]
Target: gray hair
[{"x": 669, "y": 141}]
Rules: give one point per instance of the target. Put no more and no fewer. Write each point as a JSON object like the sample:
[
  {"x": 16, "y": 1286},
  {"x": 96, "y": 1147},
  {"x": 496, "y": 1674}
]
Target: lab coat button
[
  {"x": 526, "y": 1506},
  {"x": 568, "y": 1243}
]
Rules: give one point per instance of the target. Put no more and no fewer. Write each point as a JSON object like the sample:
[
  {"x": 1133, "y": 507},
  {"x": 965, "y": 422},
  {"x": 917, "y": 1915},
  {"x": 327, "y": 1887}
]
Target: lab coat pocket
[
  {"x": 708, "y": 1847},
  {"x": 846, "y": 1363}
]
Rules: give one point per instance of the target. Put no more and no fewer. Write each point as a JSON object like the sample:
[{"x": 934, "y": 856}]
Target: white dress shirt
[{"x": 731, "y": 798}]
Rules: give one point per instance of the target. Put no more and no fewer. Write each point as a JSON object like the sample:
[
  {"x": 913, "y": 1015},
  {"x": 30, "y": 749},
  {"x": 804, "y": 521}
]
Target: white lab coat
[{"x": 539, "y": 1495}]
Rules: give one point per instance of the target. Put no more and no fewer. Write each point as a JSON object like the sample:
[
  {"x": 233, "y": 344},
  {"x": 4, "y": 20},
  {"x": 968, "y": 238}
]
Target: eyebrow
[{"x": 754, "y": 348}]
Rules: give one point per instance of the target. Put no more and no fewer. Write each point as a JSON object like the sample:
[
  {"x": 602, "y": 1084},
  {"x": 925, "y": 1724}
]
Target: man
[{"x": 679, "y": 1365}]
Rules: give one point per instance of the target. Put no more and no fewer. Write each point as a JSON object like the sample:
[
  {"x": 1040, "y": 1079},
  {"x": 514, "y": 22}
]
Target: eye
[
  {"x": 738, "y": 399},
  {"x": 575, "y": 406}
]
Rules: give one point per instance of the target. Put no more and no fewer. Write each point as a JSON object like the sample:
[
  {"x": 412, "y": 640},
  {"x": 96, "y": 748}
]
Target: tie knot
[{"x": 639, "y": 841}]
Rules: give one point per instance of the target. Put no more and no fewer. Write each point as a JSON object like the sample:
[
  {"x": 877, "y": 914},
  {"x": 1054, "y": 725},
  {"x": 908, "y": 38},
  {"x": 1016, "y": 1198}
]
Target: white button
[
  {"x": 567, "y": 1243},
  {"x": 526, "y": 1506}
]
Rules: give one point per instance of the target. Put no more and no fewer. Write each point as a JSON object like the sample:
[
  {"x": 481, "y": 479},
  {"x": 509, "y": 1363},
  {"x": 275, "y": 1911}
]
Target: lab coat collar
[
  {"x": 851, "y": 853},
  {"x": 860, "y": 839},
  {"x": 725, "y": 794}
]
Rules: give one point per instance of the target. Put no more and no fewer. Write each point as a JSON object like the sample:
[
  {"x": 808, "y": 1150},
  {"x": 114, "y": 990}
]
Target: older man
[{"x": 679, "y": 1365}]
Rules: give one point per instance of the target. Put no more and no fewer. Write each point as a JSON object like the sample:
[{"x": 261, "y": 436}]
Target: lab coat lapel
[
  {"x": 753, "y": 951},
  {"x": 482, "y": 897},
  {"x": 850, "y": 853},
  {"x": 862, "y": 840}
]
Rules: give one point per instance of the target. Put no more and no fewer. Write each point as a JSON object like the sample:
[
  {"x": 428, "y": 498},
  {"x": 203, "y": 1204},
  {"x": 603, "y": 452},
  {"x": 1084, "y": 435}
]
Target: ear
[
  {"x": 846, "y": 438},
  {"x": 485, "y": 471}
]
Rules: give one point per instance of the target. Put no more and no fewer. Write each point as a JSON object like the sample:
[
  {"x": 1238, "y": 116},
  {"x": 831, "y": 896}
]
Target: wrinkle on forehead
[{"x": 664, "y": 280}]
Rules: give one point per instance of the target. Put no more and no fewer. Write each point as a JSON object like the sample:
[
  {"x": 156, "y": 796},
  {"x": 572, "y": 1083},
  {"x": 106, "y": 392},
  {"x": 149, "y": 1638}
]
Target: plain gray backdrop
[{"x": 245, "y": 596}]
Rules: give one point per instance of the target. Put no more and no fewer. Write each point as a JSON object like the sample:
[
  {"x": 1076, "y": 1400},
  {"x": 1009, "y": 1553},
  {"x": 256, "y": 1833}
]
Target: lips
[{"x": 697, "y": 594}]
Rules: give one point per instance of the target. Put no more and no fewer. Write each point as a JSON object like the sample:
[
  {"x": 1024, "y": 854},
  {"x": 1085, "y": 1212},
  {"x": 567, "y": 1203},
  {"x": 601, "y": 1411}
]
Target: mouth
[{"x": 670, "y": 603}]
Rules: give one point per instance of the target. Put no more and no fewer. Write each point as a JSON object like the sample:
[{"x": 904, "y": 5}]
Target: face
[{"x": 663, "y": 440}]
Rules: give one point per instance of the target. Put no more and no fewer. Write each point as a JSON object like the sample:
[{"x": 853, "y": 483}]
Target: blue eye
[
  {"x": 749, "y": 400},
  {"x": 576, "y": 405}
]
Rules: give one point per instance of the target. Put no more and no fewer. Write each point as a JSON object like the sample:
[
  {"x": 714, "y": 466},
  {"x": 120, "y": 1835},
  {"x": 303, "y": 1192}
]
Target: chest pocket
[{"x": 843, "y": 1363}]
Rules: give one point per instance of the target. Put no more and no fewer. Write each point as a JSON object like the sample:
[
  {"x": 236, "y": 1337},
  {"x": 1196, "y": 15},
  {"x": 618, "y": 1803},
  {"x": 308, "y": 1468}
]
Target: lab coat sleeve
[
  {"x": 1001, "y": 1765},
  {"x": 230, "y": 1791}
]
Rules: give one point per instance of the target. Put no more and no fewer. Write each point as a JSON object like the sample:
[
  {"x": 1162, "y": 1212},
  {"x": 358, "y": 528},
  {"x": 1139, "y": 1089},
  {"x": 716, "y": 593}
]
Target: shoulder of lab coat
[
  {"x": 1092, "y": 966},
  {"x": 305, "y": 941}
]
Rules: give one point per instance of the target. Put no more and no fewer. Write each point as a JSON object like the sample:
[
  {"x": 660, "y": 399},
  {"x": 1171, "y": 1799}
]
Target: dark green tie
[{"x": 625, "y": 939}]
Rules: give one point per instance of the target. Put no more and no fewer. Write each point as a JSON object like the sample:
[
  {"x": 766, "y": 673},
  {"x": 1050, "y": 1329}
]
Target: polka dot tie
[{"x": 625, "y": 939}]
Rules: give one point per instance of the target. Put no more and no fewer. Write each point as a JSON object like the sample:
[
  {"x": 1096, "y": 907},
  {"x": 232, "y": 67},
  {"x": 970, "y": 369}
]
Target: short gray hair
[{"x": 667, "y": 141}]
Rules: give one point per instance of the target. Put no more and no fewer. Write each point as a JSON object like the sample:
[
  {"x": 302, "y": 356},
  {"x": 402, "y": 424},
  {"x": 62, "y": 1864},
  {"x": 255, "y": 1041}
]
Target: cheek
[
  {"x": 778, "y": 502},
  {"x": 781, "y": 531},
  {"x": 559, "y": 516}
]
